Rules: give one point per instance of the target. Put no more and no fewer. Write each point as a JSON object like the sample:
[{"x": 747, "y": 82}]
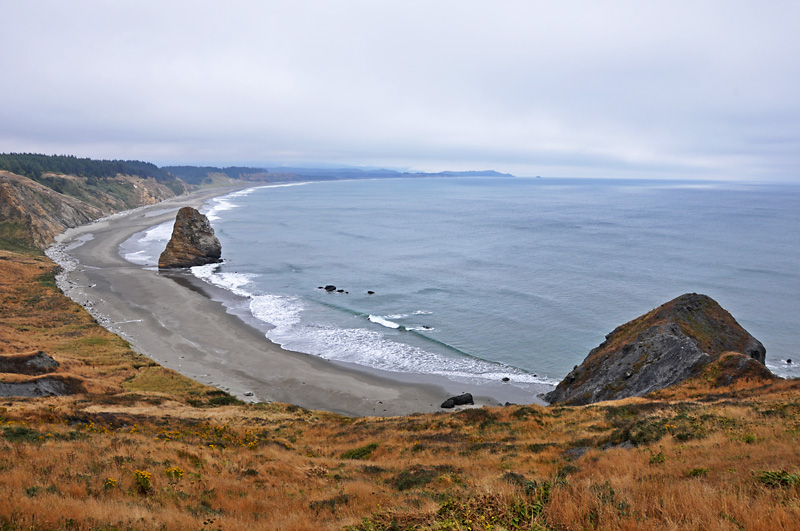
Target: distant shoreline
[{"x": 188, "y": 330}]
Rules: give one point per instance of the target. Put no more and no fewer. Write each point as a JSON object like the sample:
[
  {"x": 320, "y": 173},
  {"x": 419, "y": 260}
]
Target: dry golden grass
[{"x": 128, "y": 455}]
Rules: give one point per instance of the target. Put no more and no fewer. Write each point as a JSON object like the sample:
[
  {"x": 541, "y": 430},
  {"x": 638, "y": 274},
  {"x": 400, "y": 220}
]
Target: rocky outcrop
[
  {"x": 666, "y": 346},
  {"x": 35, "y": 363},
  {"x": 46, "y": 386},
  {"x": 460, "y": 400},
  {"x": 192, "y": 243}
]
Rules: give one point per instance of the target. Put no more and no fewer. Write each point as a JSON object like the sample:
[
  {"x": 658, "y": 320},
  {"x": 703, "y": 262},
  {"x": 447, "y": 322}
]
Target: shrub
[
  {"x": 21, "y": 434},
  {"x": 698, "y": 472},
  {"x": 174, "y": 474},
  {"x": 361, "y": 452},
  {"x": 330, "y": 504},
  {"x": 779, "y": 478},
  {"x": 417, "y": 476},
  {"x": 143, "y": 482}
]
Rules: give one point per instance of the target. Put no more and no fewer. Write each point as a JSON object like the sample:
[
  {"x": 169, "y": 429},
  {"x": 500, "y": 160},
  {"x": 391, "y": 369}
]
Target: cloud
[{"x": 584, "y": 88}]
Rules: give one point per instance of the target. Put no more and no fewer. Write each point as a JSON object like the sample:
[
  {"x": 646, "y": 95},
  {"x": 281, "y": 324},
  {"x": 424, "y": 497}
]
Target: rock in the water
[
  {"x": 459, "y": 400},
  {"x": 193, "y": 242},
  {"x": 330, "y": 287},
  {"x": 664, "y": 347}
]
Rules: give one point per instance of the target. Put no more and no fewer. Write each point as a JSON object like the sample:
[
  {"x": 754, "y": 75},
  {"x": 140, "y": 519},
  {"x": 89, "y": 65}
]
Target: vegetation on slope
[
  {"x": 32, "y": 213},
  {"x": 201, "y": 175},
  {"x": 141, "y": 447},
  {"x": 34, "y": 166}
]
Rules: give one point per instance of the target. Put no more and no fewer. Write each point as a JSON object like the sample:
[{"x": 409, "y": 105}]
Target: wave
[
  {"x": 372, "y": 349},
  {"x": 384, "y": 322},
  {"x": 139, "y": 258},
  {"x": 280, "y": 311},
  {"x": 162, "y": 232},
  {"x": 359, "y": 345},
  {"x": 232, "y": 282},
  {"x": 223, "y": 203}
]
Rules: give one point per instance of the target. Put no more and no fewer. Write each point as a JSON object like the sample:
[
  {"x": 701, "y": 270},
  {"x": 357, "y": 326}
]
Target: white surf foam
[
  {"x": 225, "y": 202},
  {"x": 139, "y": 258},
  {"x": 281, "y": 312},
  {"x": 383, "y": 321},
  {"x": 372, "y": 349},
  {"x": 159, "y": 233},
  {"x": 233, "y": 282}
]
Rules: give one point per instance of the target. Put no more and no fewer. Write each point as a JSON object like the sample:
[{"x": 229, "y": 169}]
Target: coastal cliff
[
  {"x": 32, "y": 214},
  {"x": 192, "y": 243},
  {"x": 664, "y": 347}
]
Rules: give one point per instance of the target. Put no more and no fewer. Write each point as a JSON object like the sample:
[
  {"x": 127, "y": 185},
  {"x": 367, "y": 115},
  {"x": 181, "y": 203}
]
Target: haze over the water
[{"x": 677, "y": 89}]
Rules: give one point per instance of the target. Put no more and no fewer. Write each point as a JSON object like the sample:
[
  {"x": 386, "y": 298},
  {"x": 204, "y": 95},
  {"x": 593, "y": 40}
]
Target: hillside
[{"x": 32, "y": 214}]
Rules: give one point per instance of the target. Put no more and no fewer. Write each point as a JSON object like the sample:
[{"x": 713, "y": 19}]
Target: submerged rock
[
  {"x": 192, "y": 243},
  {"x": 666, "y": 346}
]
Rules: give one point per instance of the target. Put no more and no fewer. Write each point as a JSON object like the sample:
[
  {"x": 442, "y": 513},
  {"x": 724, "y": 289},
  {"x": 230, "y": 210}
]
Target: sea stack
[
  {"x": 664, "y": 347},
  {"x": 192, "y": 243}
]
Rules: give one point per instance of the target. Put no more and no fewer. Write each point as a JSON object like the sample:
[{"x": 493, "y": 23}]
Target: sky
[{"x": 634, "y": 89}]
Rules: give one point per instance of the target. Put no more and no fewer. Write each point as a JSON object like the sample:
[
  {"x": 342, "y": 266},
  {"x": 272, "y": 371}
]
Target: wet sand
[{"x": 176, "y": 321}]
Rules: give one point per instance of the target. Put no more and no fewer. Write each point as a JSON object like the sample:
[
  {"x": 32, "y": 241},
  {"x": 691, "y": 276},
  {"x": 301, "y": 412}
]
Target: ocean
[{"x": 478, "y": 279}]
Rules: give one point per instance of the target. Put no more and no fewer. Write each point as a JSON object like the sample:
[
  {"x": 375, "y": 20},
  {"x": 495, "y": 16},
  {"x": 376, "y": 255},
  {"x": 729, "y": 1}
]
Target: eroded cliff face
[
  {"x": 37, "y": 214},
  {"x": 666, "y": 346},
  {"x": 45, "y": 212},
  {"x": 192, "y": 243}
]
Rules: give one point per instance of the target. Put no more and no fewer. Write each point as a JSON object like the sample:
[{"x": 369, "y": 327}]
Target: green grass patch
[
  {"x": 212, "y": 398},
  {"x": 418, "y": 476},
  {"x": 778, "y": 478},
  {"x": 699, "y": 472},
  {"x": 159, "y": 380},
  {"x": 361, "y": 452},
  {"x": 21, "y": 434},
  {"x": 15, "y": 236}
]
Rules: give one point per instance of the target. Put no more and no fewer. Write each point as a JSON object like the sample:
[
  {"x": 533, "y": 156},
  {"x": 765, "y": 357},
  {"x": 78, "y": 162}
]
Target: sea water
[{"x": 478, "y": 279}]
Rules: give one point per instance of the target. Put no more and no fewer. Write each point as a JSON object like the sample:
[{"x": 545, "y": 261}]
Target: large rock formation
[
  {"x": 193, "y": 242},
  {"x": 661, "y": 348}
]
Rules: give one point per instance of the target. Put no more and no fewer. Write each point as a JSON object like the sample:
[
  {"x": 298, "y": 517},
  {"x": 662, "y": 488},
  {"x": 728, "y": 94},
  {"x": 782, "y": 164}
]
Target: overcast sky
[{"x": 694, "y": 89}]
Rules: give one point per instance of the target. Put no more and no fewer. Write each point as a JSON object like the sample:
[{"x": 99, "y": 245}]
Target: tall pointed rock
[{"x": 193, "y": 242}]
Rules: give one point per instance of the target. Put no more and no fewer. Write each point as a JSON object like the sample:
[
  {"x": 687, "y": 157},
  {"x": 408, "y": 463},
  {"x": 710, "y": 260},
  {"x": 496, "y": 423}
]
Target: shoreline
[{"x": 189, "y": 330}]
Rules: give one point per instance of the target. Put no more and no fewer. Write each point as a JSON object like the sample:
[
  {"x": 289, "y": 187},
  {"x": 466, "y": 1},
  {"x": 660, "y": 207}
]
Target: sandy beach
[{"x": 174, "y": 319}]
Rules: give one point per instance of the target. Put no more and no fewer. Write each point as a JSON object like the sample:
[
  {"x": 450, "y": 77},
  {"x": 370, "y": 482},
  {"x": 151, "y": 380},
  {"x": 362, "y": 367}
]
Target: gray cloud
[{"x": 588, "y": 88}]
